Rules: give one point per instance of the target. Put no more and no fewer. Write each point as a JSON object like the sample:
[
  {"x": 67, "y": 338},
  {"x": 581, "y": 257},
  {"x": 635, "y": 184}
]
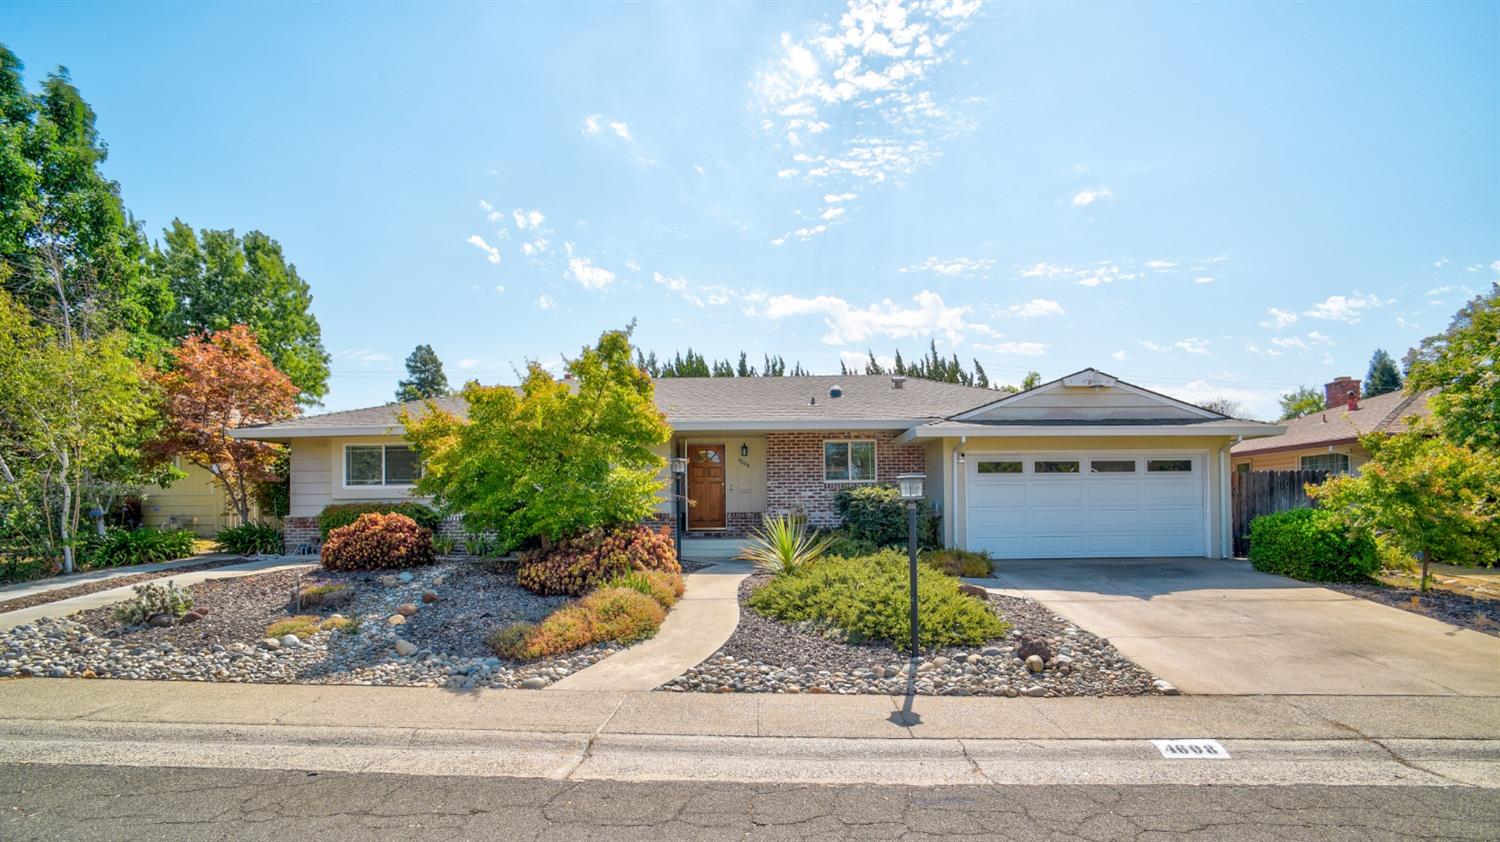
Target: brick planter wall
[
  {"x": 736, "y": 525},
  {"x": 794, "y": 470},
  {"x": 299, "y": 530}
]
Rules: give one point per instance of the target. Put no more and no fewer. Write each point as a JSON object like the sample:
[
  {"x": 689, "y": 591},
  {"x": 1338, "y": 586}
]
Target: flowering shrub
[
  {"x": 376, "y": 541},
  {"x": 578, "y": 564},
  {"x": 566, "y": 629}
]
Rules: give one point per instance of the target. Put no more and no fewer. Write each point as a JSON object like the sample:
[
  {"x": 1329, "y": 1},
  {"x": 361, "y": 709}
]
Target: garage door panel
[{"x": 1081, "y": 515}]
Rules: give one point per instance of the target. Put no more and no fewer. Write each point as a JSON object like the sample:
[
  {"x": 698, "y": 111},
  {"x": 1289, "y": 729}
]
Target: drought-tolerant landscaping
[{"x": 817, "y": 623}]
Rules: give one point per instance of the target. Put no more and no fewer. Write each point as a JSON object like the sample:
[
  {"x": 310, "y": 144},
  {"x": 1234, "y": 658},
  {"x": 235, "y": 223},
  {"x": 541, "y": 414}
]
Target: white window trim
[
  {"x": 344, "y": 467},
  {"x": 1301, "y": 460},
  {"x": 823, "y": 455}
]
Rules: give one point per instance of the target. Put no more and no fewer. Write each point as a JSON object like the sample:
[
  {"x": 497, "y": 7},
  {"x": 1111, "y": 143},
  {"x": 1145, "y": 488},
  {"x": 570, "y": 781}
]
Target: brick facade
[
  {"x": 736, "y": 525},
  {"x": 299, "y": 530},
  {"x": 794, "y": 470}
]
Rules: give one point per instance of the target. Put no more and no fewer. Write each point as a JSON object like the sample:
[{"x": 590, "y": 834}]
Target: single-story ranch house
[
  {"x": 1086, "y": 465},
  {"x": 1329, "y": 440}
]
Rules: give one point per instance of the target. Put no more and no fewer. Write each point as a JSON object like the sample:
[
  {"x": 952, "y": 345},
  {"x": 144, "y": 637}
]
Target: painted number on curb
[{"x": 1191, "y": 749}]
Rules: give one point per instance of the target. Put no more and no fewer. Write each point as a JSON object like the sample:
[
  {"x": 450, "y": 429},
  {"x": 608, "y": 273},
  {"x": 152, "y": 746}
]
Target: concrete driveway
[{"x": 1211, "y": 626}]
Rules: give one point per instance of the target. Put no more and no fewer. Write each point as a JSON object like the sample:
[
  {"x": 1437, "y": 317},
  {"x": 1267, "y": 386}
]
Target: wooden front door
[{"x": 705, "y": 486}]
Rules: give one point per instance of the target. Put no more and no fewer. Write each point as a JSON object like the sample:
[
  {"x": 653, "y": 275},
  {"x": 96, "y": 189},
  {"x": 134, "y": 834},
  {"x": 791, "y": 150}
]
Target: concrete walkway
[
  {"x": 695, "y": 628},
  {"x": 64, "y": 607},
  {"x": 573, "y": 735},
  {"x": 1212, "y": 626},
  {"x": 57, "y": 583}
]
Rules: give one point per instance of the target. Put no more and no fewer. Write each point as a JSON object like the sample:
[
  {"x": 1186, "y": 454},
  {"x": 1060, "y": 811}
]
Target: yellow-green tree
[
  {"x": 552, "y": 458},
  {"x": 1424, "y": 494}
]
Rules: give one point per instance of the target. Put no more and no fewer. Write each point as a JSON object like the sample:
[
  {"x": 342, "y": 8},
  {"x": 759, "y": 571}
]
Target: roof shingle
[{"x": 1386, "y": 413}]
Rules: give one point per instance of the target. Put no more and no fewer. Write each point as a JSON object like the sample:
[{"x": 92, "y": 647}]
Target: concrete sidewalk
[
  {"x": 695, "y": 628},
  {"x": 575, "y": 735},
  {"x": 64, "y": 607},
  {"x": 56, "y": 583}
]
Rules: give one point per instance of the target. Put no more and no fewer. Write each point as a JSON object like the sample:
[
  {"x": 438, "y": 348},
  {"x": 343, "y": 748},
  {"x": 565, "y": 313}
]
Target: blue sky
[{"x": 1211, "y": 200}]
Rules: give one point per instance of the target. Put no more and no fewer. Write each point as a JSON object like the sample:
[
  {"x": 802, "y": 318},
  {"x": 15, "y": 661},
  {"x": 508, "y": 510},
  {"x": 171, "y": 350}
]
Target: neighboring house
[
  {"x": 196, "y": 502},
  {"x": 1086, "y": 465},
  {"x": 1329, "y": 440}
]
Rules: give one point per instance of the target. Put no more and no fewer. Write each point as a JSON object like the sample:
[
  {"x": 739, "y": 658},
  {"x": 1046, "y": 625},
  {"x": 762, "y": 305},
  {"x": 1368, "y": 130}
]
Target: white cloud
[
  {"x": 1106, "y": 273},
  {"x": 953, "y": 266},
  {"x": 499, "y": 287},
  {"x": 1034, "y": 308},
  {"x": 490, "y": 213},
  {"x": 620, "y": 129},
  {"x": 834, "y": 198},
  {"x": 1289, "y": 342},
  {"x": 698, "y": 168},
  {"x": 786, "y": 173},
  {"x": 546, "y": 302},
  {"x": 856, "y": 361},
  {"x": 674, "y": 284},
  {"x": 1348, "y": 309},
  {"x": 468, "y": 363},
  {"x": 1203, "y": 279},
  {"x": 1279, "y": 318},
  {"x": 361, "y": 356},
  {"x": 778, "y": 241},
  {"x": 1120, "y": 355},
  {"x": 528, "y": 219},
  {"x": 833, "y": 213},
  {"x": 847, "y": 323},
  {"x": 1160, "y": 265},
  {"x": 1441, "y": 262},
  {"x": 1084, "y": 198},
  {"x": 1192, "y": 345},
  {"x": 854, "y": 100},
  {"x": 1317, "y": 338},
  {"x": 633, "y": 265},
  {"x": 1025, "y": 349},
  {"x": 492, "y": 254},
  {"x": 1258, "y": 403},
  {"x": 585, "y": 272}
]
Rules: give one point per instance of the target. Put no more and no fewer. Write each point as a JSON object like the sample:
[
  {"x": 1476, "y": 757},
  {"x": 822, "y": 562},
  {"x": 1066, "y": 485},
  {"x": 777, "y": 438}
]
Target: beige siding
[
  {"x": 1079, "y": 404},
  {"x": 318, "y": 476},
  {"x": 1291, "y": 460},
  {"x": 1205, "y": 446},
  {"x": 196, "y": 502}
]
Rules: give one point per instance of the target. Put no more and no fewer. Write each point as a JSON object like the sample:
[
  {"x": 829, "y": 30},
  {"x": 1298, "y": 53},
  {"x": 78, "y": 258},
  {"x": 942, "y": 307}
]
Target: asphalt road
[{"x": 122, "y": 803}]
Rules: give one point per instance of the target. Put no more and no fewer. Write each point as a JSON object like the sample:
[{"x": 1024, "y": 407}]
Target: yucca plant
[{"x": 784, "y": 546}]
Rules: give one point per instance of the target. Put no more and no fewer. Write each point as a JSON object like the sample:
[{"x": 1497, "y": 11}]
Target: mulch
[
  {"x": 106, "y": 584},
  {"x": 1463, "y": 611}
]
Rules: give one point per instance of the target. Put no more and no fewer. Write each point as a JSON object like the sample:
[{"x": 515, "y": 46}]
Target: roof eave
[
  {"x": 287, "y": 433},
  {"x": 950, "y": 430}
]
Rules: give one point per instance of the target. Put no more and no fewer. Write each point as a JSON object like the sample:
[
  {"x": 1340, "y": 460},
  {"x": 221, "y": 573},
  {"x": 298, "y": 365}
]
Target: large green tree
[
  {"x": 424, "y": 376},
  {"x": 71, "y": 415},
  {"x": 1383, "y": 376},
  {"x": 220, "y": 280},
  {"x": 1462, "y": 362},
  {"x": 69, "y": 252},
  {"x": 552, "y": 458},
  {"x": 1304, "y": 400}
]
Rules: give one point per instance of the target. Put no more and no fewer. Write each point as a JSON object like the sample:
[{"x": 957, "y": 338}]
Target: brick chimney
[{"x": 1337, "y": 393}]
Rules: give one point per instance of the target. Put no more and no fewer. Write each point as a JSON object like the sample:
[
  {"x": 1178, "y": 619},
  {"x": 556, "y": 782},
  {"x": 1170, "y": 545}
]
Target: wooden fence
[{"x": 1256, "y": 493}]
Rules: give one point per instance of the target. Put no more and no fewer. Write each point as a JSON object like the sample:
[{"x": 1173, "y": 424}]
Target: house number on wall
[{"x": 1191, "y": 749}]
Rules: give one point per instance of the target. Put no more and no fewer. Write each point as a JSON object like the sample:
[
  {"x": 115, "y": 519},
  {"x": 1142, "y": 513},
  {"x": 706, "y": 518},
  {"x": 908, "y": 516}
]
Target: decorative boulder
[
  {"x": 406, "y": 609},
  {"x": 429, "y": 596},
  {"x": 1035, "y": 644},
  {"x": 190, "y": 617},
  {"x": 160, "y": 621}
]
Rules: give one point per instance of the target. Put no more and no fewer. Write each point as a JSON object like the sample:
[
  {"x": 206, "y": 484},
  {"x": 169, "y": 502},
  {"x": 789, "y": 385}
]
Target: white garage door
[{"x": 1082, "y": 505}]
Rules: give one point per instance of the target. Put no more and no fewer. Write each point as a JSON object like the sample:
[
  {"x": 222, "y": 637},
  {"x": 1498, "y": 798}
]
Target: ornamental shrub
[
  {"x": 660, "y": 585},
  {"x": 843, "y": 544},
  {"x": 377, "y": 541},
  {"x": 250, "y": 539},
  {"x": 1313, "y": 545},
  {"x": 876, "y": 513},
  {"x": 866, "y": 599},
  {"x": 578, "y": 564},
  {"x": 566, "y": 629},
  {"x": 622, "y": 614},
  {"x": 154, "y": 598},
  {"x": 342, "y": 514},
  {"x": 134, "y": 546},
  {"x": 955, "y": 562},
  {"x": 325, "y": 595}
]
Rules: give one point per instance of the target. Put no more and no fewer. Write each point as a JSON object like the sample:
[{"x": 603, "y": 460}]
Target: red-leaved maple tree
[{"x": 217, "y": 382}]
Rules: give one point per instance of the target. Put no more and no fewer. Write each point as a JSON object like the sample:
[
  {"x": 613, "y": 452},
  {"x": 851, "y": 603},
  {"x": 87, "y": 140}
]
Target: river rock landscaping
[
  {"x": 1461, "y": 610},
  {"x": 1042, "y": 655},
  {"x": 421, "y": 627}
]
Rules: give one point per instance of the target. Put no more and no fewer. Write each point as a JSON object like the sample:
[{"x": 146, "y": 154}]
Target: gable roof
[
  {"x": 1153, "y": 406},
  {"x": 1388, "y": 413},
  {"x": 710, "y": 403}
]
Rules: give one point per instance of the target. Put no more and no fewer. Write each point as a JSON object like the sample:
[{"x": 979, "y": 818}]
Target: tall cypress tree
[{"x": 1383, "y": 375}]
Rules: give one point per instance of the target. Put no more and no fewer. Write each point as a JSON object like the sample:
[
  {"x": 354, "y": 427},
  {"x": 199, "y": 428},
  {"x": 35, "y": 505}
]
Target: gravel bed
[
  {"x": 1454, "y": 609},
  {"x": 438, "y": 641},
  {"x": 86, "y": 588},
  {"x": 768, "y": 656},
  {"x": 695, "y": 566}
]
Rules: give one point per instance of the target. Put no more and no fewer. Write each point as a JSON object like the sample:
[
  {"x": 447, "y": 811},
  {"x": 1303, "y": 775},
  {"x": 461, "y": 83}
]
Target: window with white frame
[
  {"x": 848, "y": 461},
  {"x": 380, "y": 464},
  {"x": 1333, "y": 463}
]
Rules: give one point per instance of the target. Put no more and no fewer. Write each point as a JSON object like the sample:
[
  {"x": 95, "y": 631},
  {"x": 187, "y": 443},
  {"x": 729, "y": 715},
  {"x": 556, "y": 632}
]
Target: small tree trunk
[
  {"x": 64, "y": 518},
  {"x": 1426, "y": 560}
]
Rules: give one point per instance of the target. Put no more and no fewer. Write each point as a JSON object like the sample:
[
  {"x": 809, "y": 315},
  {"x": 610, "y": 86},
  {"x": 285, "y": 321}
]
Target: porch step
[{"x": 711, "y": 549}]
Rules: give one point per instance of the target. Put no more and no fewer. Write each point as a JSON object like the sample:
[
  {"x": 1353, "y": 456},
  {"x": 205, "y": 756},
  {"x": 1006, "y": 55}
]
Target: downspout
[
  {"x": 953, "y": 498},
  {"x": 1226, "y": 545}
]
